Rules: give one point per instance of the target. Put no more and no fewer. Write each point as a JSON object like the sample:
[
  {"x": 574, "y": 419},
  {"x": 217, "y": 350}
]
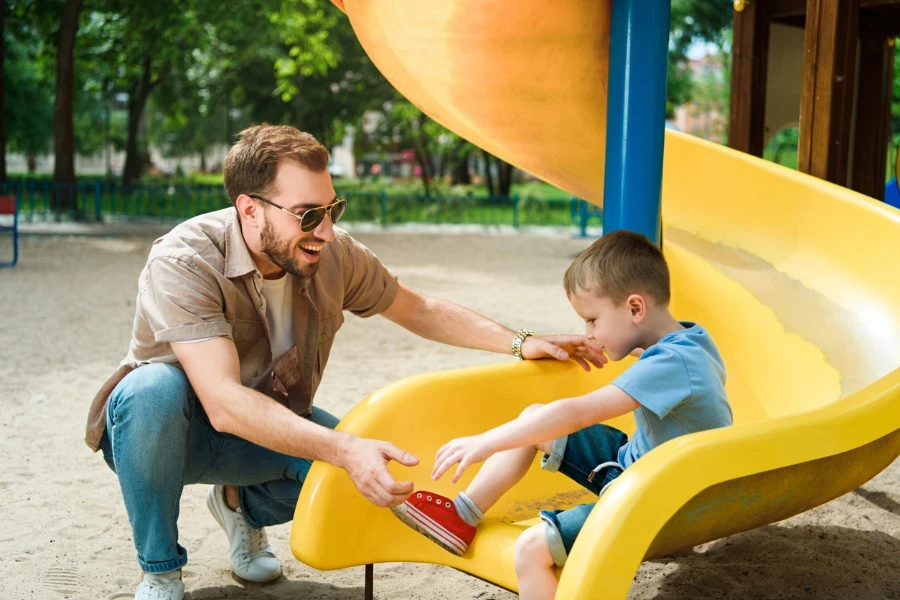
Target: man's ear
[{"x": 248, "y": 210}]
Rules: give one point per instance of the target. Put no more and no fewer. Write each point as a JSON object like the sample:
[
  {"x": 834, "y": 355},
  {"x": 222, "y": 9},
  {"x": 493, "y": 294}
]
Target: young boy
[{"x": 620, "y": 287}]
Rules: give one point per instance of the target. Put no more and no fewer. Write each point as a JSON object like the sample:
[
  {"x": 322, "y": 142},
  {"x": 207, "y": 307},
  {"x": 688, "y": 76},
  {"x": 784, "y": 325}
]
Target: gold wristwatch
[{"x": 517, "y": 343}]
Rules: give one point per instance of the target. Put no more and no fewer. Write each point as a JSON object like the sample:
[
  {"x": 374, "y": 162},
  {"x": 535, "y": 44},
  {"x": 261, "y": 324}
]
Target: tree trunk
[
  {"x": 203, "y": 161},
  {"x": 31, "y": 161},
  {"x": 488, "y": 178},
  {"x": 63, "y": 130},
  {"x": 461, "y": 171},
  {"x": 425, "y": 174},
  {"x": 2, "y": 92},
  {"x": 137, "y": 100},
  {"x": 505, "y": 174},
  {"x": 424, "y": 163}
]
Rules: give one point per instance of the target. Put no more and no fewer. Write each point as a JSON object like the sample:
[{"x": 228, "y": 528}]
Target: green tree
[
  {"x": 323, "y": 74},
  {"x": 27, "y": 107},
  {"x": 64, "y": 101},
  {"x": 3, "y": 10},
  {"x": 693, "y": 21}
]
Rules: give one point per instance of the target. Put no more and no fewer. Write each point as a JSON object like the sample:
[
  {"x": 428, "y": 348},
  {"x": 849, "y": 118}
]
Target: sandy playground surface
[{"x": 65, "y": 319}]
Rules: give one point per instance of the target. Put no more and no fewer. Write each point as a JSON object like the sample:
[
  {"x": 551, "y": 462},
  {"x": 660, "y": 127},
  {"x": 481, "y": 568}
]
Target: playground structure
[
  {"x": 786, "y": 271},
  {"x": 833, "y": 77}
]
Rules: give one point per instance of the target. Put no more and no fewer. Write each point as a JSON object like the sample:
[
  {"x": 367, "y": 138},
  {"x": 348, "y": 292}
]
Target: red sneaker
[{"x": 436, "y": 518}]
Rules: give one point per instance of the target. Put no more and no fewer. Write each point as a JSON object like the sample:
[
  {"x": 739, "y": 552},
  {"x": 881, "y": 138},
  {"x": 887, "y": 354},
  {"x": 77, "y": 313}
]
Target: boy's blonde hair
[{"x": 617, "y": 265}]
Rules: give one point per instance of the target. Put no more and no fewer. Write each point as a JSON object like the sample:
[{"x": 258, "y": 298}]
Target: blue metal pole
[{"x": 636, "y": 114}]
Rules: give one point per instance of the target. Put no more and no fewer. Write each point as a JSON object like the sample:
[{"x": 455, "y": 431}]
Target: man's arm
[
  {"x": 448, "y": 323},
  {"x": 545, "y": 423},
  {"x": 213, "y": 369}
]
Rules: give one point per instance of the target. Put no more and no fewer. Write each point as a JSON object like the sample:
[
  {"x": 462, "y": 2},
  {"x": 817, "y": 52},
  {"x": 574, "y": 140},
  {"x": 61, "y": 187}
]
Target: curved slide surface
[{"x": 791, "y": 275}]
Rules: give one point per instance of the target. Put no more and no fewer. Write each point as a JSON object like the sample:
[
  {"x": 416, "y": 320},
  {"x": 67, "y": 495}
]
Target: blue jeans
[
  {"x": 575, "y": 456},
  {"x": 158, "y": 439}
]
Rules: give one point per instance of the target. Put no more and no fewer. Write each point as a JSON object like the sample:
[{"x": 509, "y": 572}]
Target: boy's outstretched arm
[{"x": 545, "y": 423}]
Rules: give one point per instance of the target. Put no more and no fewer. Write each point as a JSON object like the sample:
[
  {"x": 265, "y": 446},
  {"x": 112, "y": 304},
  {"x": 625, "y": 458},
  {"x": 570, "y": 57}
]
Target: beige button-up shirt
[{"x": 200, "y": 281}]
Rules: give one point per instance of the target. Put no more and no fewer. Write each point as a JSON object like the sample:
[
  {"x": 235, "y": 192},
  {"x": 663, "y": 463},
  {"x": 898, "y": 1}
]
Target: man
[{"x": 235, "y": 318}]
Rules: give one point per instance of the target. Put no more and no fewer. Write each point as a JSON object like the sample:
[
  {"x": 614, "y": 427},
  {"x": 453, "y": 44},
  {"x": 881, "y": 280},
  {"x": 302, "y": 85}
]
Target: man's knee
[
  {"x": 532, "y": 550},
  {"x": 154, "y": 395}
]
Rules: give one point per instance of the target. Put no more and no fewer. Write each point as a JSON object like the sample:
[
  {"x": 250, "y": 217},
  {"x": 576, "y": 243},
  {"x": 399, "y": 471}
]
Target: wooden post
[
  {"x": 750, "y": 52},
  {"x": 829, "y": 65},
  {"x": 873, "y": 110}
]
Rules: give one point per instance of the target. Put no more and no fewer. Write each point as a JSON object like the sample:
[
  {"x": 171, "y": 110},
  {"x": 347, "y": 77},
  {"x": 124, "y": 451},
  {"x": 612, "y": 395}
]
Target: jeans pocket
[{"x": 110, "y": 462}]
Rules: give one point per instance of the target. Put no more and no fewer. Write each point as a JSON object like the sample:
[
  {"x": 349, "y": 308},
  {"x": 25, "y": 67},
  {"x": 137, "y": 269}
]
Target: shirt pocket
[
  {"x": 246, "y": 331},
  {"x": 329, "y": 327},
  {"x": 252, "y": 345}
]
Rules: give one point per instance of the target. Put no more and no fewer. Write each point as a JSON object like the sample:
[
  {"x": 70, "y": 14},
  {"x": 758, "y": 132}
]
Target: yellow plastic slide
[{"x": 795, "y": 279}]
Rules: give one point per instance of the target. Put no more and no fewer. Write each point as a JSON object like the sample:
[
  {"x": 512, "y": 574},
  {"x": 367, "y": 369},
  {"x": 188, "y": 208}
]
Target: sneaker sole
[{"x": 401, "y": 513}]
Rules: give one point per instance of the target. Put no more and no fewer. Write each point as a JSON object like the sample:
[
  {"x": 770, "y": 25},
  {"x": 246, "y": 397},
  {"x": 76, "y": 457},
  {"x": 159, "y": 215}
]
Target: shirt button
[
  {"x": 323, "y": 337},
  {"x": 256, "y": 373},
  {"x": 259, "y": 304},
  {"x": 240, "y": 335}
]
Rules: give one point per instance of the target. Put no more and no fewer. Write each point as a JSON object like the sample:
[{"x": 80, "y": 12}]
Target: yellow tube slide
[{"x": 793, "y": 277}]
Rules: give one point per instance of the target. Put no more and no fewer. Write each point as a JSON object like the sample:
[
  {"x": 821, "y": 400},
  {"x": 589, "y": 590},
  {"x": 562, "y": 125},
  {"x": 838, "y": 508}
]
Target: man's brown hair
[
  {"x": 617, "y": 265},
  {"x": 252, "y": 162}
]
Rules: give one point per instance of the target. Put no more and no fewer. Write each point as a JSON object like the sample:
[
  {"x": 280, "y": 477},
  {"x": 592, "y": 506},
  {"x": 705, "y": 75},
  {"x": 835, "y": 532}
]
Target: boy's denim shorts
[{"x": 575, "y": 456}]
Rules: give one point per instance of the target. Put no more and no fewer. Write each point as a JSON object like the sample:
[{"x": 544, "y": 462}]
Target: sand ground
[{"x": 65, "y": 321}]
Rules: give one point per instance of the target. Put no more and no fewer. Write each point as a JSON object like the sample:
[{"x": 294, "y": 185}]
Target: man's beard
[{"x": 282, "y": 254}]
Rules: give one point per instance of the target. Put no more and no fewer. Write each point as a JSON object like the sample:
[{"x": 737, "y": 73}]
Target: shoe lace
[{"x": 254, "y": 540}]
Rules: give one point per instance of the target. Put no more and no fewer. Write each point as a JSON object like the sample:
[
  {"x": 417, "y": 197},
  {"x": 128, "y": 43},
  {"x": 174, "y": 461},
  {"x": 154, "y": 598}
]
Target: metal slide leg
[{"x": 370, "y": 582}]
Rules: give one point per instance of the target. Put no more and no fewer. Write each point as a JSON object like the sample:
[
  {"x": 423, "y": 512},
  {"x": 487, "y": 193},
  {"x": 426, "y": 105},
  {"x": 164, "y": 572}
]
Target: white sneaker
[
  {"x": 160, "y": 586},
  {"x": 252, "y": 558}
]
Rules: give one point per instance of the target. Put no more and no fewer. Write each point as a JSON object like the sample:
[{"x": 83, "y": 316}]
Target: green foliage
[
  {"x": 782, "y": 147},
  {"x": 28, "y": 79},
  {"x": 693, "y": 21},
  {"x": 28, "y": 108},
  {"x": 215, "y": 67}
]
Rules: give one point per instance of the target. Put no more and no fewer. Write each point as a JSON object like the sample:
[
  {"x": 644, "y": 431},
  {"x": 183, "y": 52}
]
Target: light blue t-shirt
[{"x": 680, "y": 384}]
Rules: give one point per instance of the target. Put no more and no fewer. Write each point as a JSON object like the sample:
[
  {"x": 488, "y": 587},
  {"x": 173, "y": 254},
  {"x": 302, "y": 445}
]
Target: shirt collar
[{"x": 238, "y": 261}]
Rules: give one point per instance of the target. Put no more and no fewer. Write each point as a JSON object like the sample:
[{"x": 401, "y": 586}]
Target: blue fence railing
[{"x": 108, "y": 201}]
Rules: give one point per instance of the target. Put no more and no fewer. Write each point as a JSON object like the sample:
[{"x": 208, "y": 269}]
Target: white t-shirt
[{"x": 279, "y": 315}]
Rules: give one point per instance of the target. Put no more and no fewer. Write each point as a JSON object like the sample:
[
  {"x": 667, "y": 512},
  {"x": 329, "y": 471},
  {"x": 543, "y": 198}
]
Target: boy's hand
[
  {"x": 463, "y": 451},
  {"x": 582, "y": 350}
]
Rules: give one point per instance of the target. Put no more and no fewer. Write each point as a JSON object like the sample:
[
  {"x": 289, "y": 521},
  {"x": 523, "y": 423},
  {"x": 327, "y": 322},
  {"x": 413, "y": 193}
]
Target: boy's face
[{"x": 613, "y": 325}]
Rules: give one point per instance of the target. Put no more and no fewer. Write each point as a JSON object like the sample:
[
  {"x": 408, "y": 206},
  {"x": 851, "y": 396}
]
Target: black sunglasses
[{"x": 310, "y": 219}]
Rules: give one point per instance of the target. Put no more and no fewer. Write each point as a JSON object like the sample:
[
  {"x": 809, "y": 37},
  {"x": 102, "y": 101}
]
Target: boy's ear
[{"x": 637, "y": 306}]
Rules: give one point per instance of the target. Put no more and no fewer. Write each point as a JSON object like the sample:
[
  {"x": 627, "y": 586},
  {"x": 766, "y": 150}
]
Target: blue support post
[{"x": 636, "y": 114}]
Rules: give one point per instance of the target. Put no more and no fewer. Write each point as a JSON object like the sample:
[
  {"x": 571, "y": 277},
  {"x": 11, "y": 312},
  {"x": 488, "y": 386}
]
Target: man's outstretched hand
[
  {"x": 366, "y": 462},
  {"x": 582, "y": 350}
]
